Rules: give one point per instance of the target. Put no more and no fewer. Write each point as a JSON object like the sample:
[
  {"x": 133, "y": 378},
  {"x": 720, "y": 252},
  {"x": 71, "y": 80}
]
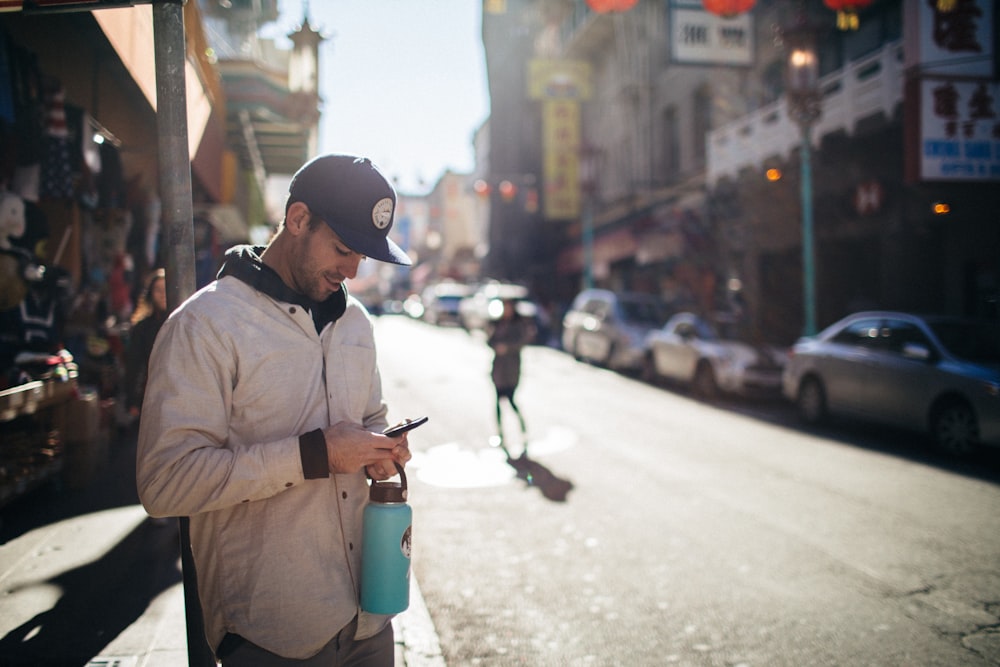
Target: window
[
  {"x": 903, "y": 333},
  {"x": 772, "y": 82},
  {"x": 867, "y": 333},
  {"x": 670, "y": 150},
  {"x": 702, "y": 123}
]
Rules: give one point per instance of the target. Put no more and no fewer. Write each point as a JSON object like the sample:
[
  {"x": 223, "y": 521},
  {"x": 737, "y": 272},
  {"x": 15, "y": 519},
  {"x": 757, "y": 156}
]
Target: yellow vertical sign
[
  {"x": 560, "y": 85},
  {"x": 561, "y": 158}
]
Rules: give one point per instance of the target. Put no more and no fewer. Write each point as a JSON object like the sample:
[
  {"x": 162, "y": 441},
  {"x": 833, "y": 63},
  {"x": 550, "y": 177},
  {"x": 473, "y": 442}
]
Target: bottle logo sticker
[{"x": 405, "y": 543}]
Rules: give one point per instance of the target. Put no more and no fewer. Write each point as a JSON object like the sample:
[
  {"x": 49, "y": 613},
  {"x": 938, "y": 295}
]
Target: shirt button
[
  {"x": 344, "y": 495},
  {"x": 292, "y": 310},
  {"x": 288, "y": 484},
  {"x": 246, "y": 500},
  {"x": 350, "y": 545}
]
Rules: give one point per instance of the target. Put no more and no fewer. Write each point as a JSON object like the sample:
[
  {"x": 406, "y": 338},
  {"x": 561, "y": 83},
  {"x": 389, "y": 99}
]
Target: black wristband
[{"x": 312, "y": 449}]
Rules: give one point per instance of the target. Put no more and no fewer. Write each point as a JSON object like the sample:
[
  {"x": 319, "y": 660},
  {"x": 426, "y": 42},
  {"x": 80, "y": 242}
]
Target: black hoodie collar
[{"x": 243, "y": 262}]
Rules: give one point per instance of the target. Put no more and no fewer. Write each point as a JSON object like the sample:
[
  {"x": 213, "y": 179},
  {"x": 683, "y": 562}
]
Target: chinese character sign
[
  {"x": 561, "y": 85},
  {"x": 561, "y": 160},
  {"x": 960, "y": 131},
  {"x": 956, "y": 42},
  {"x": 697, "y": 36}
]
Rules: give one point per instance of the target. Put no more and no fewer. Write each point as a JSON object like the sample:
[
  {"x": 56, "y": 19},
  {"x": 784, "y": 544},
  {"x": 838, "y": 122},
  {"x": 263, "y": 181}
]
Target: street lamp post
[{"x": 804, "y": 107}]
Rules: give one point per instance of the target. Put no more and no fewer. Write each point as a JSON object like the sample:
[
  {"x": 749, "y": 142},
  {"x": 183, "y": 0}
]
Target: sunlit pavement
[{"x": 460, "y": 465}]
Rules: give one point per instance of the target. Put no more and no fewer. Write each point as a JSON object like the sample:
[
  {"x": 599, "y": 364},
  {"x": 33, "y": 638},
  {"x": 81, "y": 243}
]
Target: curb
[{"x": 416, "y": 639}]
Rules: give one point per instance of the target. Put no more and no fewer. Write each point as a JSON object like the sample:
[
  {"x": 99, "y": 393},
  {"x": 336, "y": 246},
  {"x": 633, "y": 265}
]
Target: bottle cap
[{"x": 389, "y": 492}]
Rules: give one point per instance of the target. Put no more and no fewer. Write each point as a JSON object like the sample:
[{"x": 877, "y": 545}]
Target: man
[{"x": 263, "y": 415}]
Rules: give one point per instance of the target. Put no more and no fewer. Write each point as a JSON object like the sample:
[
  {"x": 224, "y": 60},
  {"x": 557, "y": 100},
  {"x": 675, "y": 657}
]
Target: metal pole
[
  {"x": 808, "y": 255},
  {"x": 175, "y": 164},
  {"x": 175, "y": 192}
]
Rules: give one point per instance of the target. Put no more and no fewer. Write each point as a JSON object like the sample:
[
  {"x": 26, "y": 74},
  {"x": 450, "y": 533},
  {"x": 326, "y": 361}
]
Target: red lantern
[
  {"x": 728, "y": 8},
  {"x": 605, "y": 6},
  {"x": 847, "y": 12}
]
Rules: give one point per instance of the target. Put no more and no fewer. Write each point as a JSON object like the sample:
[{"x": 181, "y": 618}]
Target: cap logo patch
[{"x": 382, "y": 213}]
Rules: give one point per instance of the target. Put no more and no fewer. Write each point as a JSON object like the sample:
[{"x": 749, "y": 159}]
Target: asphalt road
[{"x": 658, "y": 530}]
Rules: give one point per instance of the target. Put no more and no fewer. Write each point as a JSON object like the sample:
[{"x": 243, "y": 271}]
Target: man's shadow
[
  {"x": 537, "y": 475},
  {"x": 102, "y": 598},
  {"x": 99, "y": 600}
]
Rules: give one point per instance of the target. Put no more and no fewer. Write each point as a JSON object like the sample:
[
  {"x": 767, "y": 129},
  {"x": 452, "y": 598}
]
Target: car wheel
[
  {"x": 572, "y": 348},
  {"x": 954, "y": 428},
  {"x": 811, "y": 401},
  {"x": 648, "y": 371},
  {"x": 609, "y": 358},
  {"x": 704, "y": 385}
]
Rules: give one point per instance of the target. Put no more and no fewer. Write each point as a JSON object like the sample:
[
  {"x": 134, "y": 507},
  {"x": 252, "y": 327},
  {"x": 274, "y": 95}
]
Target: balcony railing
[{"x": 870, "y": 85}]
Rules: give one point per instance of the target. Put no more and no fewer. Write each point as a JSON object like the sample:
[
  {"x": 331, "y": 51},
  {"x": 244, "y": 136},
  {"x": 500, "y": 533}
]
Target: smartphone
[{"x": 403, "y": 427}]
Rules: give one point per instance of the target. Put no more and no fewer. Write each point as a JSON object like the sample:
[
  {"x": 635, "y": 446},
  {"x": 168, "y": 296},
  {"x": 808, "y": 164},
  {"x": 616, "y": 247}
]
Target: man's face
[{"x": 322, "y": 263}]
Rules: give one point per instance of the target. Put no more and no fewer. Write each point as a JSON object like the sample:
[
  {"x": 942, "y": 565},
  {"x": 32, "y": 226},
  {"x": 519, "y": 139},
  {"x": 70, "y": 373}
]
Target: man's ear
[{"x": 297, "y": 218}]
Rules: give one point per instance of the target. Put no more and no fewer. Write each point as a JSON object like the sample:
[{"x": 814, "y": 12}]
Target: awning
[
  {"x": 129, "y": 30},
  {"x": 608, "y": 249},
  {"x": 227, "y": 221}
]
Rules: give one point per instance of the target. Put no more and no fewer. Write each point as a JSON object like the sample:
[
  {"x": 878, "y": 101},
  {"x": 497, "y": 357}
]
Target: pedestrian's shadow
[
  {"x": 99, "y": 600},
  {"x": 537, "y": 475}
]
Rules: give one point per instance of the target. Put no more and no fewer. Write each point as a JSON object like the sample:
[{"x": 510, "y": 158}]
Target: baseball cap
[{"x": 355, "y": 200}]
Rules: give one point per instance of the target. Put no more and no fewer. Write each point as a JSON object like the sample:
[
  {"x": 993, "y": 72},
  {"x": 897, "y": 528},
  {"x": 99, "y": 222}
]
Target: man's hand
[{"x": 350, "y": 447}]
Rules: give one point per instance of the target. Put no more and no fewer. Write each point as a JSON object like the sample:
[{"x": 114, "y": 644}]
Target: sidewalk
[
  {"x": 159, "y": 637},
  {"x": 87, "y": 575}
]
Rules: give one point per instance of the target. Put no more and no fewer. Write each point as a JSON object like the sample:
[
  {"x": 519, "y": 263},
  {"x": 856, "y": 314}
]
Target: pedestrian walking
[
  {"x": 147, "y": 318},
  {"x": 262, "y": 419},
  {"x": 507, "y": 336}
]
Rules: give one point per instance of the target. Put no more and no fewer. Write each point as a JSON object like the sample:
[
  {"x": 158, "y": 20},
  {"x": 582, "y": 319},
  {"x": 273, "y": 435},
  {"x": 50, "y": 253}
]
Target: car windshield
[
  {"x": 643, "y": 312},
  {"x": 972, "y": 341}
]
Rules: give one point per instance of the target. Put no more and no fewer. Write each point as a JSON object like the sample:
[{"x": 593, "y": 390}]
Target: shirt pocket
[{"x": 350, "y": 371}]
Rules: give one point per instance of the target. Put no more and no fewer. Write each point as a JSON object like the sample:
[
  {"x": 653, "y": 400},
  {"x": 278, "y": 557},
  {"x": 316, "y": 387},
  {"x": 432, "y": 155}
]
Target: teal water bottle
[{"x": 385, "y": 548}]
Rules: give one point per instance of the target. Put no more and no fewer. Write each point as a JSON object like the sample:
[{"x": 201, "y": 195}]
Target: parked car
[
  {"x": 709, "y": 359},
  {"x": 441, "y": 302},
  {"x": 933, "y": 374},
  {"x": 485, "y": 305},
  {"x": 413, "y": 306},
  {"x": 610, "y": 329}
]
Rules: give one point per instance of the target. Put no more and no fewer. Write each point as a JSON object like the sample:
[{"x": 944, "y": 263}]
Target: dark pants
[{"x": 341, "y": 651}]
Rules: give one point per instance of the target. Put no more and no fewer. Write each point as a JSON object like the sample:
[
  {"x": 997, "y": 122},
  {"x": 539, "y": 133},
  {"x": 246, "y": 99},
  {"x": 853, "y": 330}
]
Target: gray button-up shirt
[{"x": 236, "y": 377}]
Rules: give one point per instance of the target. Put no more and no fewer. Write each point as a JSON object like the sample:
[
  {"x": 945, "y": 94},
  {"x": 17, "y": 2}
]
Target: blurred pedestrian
[
  {"x": 147, "y": 318},
  {"x": 263, "y": 420},
  {"x": 507, "y": 336}
]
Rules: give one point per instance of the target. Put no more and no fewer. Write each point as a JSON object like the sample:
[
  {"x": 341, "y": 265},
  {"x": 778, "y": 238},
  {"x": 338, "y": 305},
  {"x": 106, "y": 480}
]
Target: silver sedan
[{"x": 934, "y": 374}]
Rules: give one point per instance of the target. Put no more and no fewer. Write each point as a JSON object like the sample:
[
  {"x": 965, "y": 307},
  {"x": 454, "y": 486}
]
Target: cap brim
[{"x": 382, "y": 249}]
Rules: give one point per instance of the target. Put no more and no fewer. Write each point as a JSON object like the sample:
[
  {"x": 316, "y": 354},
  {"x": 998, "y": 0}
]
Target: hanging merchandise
[
  {"x": 57, "y": 171},
  {"x": 23, "y": 155},
  {"x": 13, "y": 259},
  {"x": 111, "y": 180},
  {"x": 6, "y": 91}
]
